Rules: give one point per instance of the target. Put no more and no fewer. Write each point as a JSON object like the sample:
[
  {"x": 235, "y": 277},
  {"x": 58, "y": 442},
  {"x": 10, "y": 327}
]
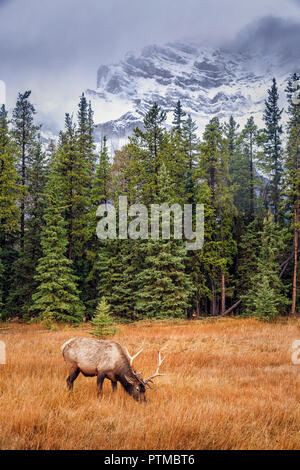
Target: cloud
[
  {"x": 54, "y": 47},
  {"x": 270, "y": 34}
]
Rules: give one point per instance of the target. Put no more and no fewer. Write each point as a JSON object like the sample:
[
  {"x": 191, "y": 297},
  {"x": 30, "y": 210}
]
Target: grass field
[{"x": 229, "y": 384}]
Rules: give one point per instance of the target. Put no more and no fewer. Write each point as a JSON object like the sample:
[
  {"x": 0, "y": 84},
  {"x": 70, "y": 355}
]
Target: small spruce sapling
[{"x": 102, "y": 320}]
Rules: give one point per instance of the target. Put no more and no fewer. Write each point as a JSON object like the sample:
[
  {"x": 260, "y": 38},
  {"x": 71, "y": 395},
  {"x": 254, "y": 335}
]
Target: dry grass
[{"x": 230, "y": 384}]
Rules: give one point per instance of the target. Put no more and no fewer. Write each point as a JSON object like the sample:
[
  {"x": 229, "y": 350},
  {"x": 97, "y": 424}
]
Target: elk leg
[
  {"x": 73, "y": 374},
  {"x": 114, "y": 386},
  {"x": 100, "y": 379}
]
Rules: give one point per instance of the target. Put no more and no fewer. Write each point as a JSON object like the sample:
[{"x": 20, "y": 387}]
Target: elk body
[{"x": 106, "y": 360}]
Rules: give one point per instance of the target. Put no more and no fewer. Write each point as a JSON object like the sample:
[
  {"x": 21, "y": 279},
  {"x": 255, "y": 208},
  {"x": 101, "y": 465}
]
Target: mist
[{"x": 55, "y": 47}]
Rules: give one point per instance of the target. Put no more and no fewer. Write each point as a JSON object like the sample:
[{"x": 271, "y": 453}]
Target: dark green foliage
[
  {"x": 124, "y": 288},
  {"x": 272, "y": 157},
  {"x": 216, "y": 193},
  {"x": 190, "y": 144},
  {"x": 24, "y": 133},
  {"x": 9, "y": 189},
  {"x": 178, "y": 121},
  {"x": 249, "y": 249},
  {"x": 57, "y": 297},
  {"x": 248, "y": 142},
  {"x": 100, "y": 188},
  {"x": 266, "y": 299},
  {"x": 103, "y": 321},
  {"x": 164, "y": 289},
  {"x": 148, "y": 151},
  {"x": 292, "y": 178},
  {"x": 54, "y": 267},
  {"x": 9, "y": 210},
  {"x": 24, "y": 285}
]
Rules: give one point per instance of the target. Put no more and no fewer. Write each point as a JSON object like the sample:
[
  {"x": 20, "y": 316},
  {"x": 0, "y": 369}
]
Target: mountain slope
[{"x": 209, "y": 82}]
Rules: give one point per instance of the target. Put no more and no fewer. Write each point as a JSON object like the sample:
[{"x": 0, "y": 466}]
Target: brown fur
[{"x": 104, "y": 359}]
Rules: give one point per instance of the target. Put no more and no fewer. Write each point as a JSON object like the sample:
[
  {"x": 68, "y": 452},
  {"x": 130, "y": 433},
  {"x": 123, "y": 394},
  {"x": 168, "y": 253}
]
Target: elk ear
[{"x": 129, "y": 379}]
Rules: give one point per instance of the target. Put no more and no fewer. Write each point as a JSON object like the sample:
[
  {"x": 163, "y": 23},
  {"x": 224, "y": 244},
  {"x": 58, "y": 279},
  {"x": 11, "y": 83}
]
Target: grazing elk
[{"x": 106, "y": 360}]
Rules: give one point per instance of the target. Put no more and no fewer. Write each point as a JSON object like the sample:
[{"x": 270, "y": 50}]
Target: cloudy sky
[{"x": 54, "y": 47}]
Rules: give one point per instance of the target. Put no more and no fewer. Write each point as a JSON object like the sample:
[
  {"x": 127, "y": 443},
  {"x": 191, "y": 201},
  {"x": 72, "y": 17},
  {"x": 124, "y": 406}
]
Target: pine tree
[
  {"x": 217, "y": 196},
  {"x": 24, "y": 284},
  {"x": 266, "y": 299},
  {"x": 249, "y": 147},
  {"x": 272, "y": 160},
  {"x": 164, "y": 288},
  {"x": 24, "y": 132},
  {"x": 9, "y": 211},
  {"x": 293, "y": 173},
  {"x": 174, "y": 157},
  {"x": 103, "y": 321},
  {"x": 9, "y": 191},
  {"x": 148, "y": 148},
  {"x": 85, "y": 130},
  {"x": 191, "y": 147},
  {"x": 98, "y": 278},
  {"x": 248, "y": 253},
  {"x": 122, "y": 173},
  {"x": 96, "y": 250},
  {"x": 237, "y": 166},
  {"x": 57, "y": 297},
  {"x": 74, "y": 172},
  {"x": 178, "y": 120},
  {"x": 101, "y": 183},
  {"x": 75, "y": 164},
  {"x": 124, "y": 287}
]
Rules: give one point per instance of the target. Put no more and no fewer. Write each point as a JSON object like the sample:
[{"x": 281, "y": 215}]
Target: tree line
[{"x": 53, "y": 266}]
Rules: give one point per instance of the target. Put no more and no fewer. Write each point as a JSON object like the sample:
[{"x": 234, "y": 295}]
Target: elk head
[{"x": 139, "y": 384}]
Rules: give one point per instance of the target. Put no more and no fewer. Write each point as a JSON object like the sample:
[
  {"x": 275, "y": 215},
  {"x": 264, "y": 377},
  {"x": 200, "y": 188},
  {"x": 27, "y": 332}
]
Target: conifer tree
[
  {"x": 96, "y": 250},
  {"x": 248, "y": 253},
  {"x": 293, "y": 174},
  {"x": 191, "y": 149},
  {"x": 123, "y": 270},
  {"x": 9, "y": 191},
  {"x": 174, "y": 158},
  {"x": 249, "y": 148},
  {"x": 123, "y": 179},
  {"x": 98, "y": 280},
  {"x": 103, "y": 321},
  {"x": 24, "y": 268},
  {"x": 148, "y": 148},
  {"x": 178, "y": 120},
  {"x": 164, "y": 287},
  {"x": 85, "y": 132},
  {"x": 272, "y": 159},
  {"x": 24, "y": 132},
  {"x": 217, "y": 196},
  {"x": 237, "y": 165},
  {"x": 74, "y": 174},
  {"x": 57, "y": 296},
  {"x": 9, "y": 210},
  {"x": 100, "y": 189},
  {"x": 266, "y": 299}
]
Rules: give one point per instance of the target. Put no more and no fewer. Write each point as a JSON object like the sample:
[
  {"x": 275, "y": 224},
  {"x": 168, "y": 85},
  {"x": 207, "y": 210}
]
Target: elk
[{"x": 106, "y": 360}]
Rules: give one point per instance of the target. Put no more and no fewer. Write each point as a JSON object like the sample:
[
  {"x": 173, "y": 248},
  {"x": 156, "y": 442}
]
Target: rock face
[{"x": 209, "y": 82}]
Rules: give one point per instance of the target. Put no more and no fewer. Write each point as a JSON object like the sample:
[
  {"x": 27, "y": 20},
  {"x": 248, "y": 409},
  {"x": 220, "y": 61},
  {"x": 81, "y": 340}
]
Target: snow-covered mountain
[{"x": 209, "y": 82}]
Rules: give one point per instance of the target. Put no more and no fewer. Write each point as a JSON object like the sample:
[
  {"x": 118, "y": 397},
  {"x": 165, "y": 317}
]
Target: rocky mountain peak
[{"x": 208, "y": 81}]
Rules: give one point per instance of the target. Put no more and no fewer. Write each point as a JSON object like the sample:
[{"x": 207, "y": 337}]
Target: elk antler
[
  {"x": 133, "y": 357},
  {"x": 157, "y": 374}
]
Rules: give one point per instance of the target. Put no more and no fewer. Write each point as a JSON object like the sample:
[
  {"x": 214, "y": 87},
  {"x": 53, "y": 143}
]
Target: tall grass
[{"x": 229, "y": 384}]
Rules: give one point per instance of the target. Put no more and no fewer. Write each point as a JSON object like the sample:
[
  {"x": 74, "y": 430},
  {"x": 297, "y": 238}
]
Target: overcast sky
[{"x": 54, "y": 47}]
